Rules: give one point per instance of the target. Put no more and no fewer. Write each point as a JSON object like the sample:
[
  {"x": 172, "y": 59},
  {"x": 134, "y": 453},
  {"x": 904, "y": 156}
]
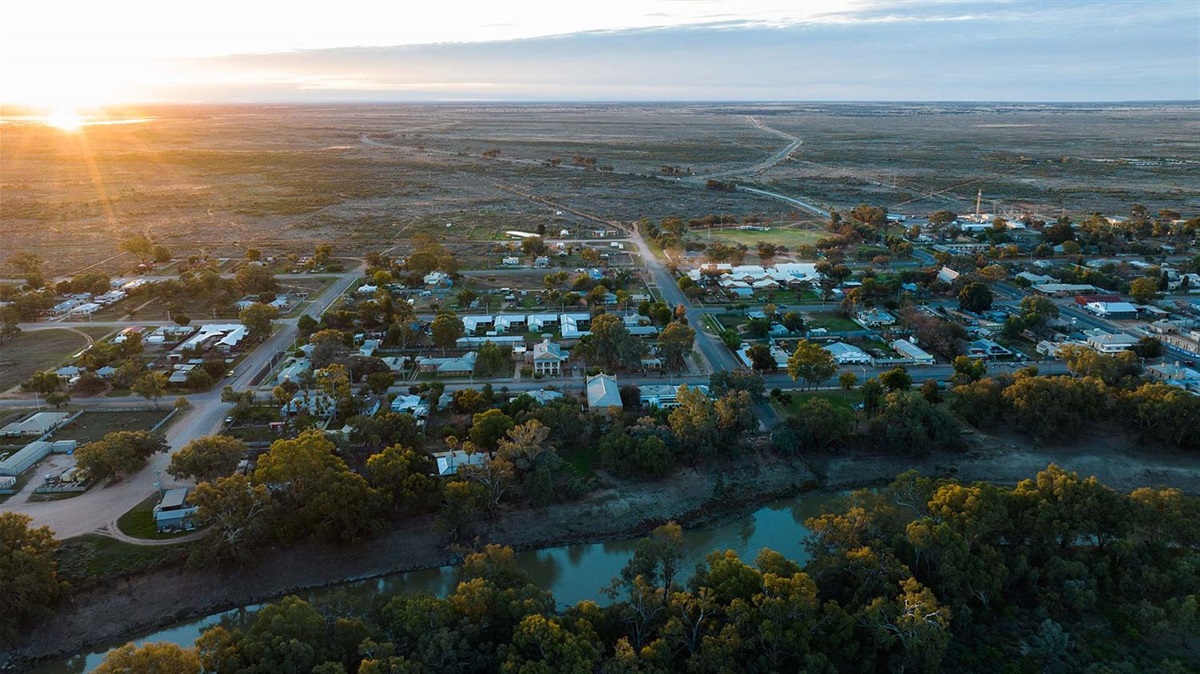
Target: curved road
[{"x": 99, "y": 507}]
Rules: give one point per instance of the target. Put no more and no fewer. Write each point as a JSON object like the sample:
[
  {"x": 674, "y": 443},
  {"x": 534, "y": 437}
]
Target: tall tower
[{"x": 978, "y": 199}]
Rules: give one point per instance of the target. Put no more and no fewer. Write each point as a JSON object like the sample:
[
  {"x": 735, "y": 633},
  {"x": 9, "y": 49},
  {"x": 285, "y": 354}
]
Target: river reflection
[{"x": 573, "y": 573}]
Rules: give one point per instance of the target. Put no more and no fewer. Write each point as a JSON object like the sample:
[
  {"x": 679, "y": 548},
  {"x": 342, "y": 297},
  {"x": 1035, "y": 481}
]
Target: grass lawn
[
  {"x": 832, "y": 323},
  {"x": 92, "y": 560},
  {"x": 840, "y": 399},
  {"x": 92, "y": 426},
  {"x": 37, "y": 350},
  {"x": 139, "y": 521},
  {"x": 780, "y": 237}
]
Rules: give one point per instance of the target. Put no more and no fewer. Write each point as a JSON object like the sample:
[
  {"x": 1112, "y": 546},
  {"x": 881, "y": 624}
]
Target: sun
[{"x": 64, "y": 119}]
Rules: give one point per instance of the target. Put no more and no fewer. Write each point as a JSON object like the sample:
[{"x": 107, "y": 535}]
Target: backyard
[{"x": 92, "y": 426}]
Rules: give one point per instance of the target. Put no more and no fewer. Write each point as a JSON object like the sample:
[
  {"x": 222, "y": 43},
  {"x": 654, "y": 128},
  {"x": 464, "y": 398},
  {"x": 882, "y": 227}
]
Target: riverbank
[
  {"x": 618, "y": 512},
  {"x": 621, "y": 511}
]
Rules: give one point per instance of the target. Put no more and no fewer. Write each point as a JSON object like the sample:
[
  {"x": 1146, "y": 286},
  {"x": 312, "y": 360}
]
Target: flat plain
[{"x": 219, "y": 179}]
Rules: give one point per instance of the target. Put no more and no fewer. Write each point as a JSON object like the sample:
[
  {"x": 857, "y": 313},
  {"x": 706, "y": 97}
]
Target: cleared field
[
  {"x": 92, "y": 426},
  {"x": 38, "y": 350}
]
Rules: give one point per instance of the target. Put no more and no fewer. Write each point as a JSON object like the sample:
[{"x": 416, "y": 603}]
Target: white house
[
  {"x": 448, "y": 463},
  {"x": 665, "y": 396},
  {"x": 848, "y": 354},
  {"x": 548, "y": 358},
  {"x": 911, "y": 351},
  {"x": 1105, "y": 342}
]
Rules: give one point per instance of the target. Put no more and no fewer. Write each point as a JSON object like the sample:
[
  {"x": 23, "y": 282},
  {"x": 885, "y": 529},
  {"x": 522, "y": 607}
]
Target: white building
[
  {"x": 1105, "y": 342},
  {"x": 548, "y": 358},
  {"x": 603, "y": 393},
  {"x": 848, "y": 354},
  {"x": 911, "y": 351}
]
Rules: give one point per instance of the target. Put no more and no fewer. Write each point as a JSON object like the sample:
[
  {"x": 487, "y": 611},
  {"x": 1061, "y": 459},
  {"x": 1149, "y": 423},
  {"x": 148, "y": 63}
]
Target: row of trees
[{"x": 1057, "y": 574}]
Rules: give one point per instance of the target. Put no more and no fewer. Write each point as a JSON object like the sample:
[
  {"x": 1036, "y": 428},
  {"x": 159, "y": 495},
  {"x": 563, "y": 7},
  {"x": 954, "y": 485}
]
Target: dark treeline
[{"x": 1059, "y": 574}]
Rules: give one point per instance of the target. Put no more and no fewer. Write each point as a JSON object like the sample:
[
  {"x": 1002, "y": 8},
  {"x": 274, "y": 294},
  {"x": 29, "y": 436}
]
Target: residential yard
[
  {"x": 37, "y": 350},
  {"x": 92, "y": 426},
  {"x": 831, "y": 322},
  {"x": 139, "y": 521},
  {"x": 842, "y": 399}
]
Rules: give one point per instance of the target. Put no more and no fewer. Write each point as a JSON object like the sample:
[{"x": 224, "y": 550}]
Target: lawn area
[
  {"x": 790, "y": 237},
  {"x": 92, "y": 426},
  {"x": 139, "y": 521},
  {"x": 831, "y": 322},
  {"x": 92, "y": 560},
  {"x": 840, "y": 399},
  {"x": 37, "y": 350}
]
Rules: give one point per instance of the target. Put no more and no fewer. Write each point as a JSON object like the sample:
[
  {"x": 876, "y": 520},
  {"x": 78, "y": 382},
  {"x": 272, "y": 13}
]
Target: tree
[
  {"x": 28, "y": 579},
  {"x": 151, "y": 658},
  {"x": 44, "y": 382},
  {"x": 967, "y": 370},
  {"x": 258, "y": 319},
  {"x": 740, "y": 379},
  {"x": 256, "y": 279},
  {"x": 208, "y": 458},
  {"x": 379, "y": 382},
  {"x": 674, "y": 344},
  {"x": 694, "y": 422},
  {"x": 896, "y": 379},
  {"x": 1037, "y": 310},
  {"x": 848, "y": 380},
  {"x": 139, "y": 245},
  {"x": 1144, "y": 290},
  {"x": 488, "y": 427},
  {"x": 761, "y": 359},
  {"x": 818, "y": 424},
  {"x": 317, "y": 491},
  {"x": 446, "y": 329},
  {"x": 792, "y": 321},
  {"x": 811, "y": 363},
  {"x": 118, "y": 453},
  {"x": 731, "y": 339},
  {"x": 975, "y": 297},
  {"x": 491, "y": 360},
  {"x": 1050, "y": 407},
  {"x": 28, "y": 266},
  {"x": 462, "y": 503},
  {"x": 611, "y": 344},
  {"x": 914, "y": 626},
  {"x": 911, "y": 424},
  {"x": 405, "y": 475}
]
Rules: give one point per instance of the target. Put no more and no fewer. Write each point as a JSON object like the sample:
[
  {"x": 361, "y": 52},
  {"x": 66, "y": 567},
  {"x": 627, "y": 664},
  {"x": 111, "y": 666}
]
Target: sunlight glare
[{"x": 64, "y": 120}]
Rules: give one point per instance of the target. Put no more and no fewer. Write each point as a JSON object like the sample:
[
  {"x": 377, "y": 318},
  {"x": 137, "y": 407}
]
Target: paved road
[
  {"x": 98, "y": 508},
  {"x": 794, "y": 144}
]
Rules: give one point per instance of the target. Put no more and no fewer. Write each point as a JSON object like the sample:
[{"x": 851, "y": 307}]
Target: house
[
  {"x": 847, "y": 354},
  {"x": 1172, "y": 372},
  {"x": 947, "y": 275},
  {"x": 1035, "y": 279},
  {"x": 1063, "y": 289},
  {"x": 574, "y": 326},
  {"x": 509, "y": 322},
  {"x": 1117, "y": 311},
  {"x": 172, "y": 512},
  {"x": 473, "y": 324},
  {"x": 1105, "y": 342},
  {"x": 460, "y": 366},
  {"x": 410, "y": 404},
  {"x": 39, "y": 423},
  {"x": 664, "y": 396},
  {"x": 874, "y": 318},
  {"x": 541, "y": 261},
  {"x": 603, "y": 393},
  {"x": 369, "y": 347},
  {"x": 542, "y": 396},
  {"x": 1054, "y": 349},
  {"x": 437, "y": 278},
  {"x": 511, "y": 261},
  {"x": 912, "y": 352},
  {"x": 548, "y": 358},
  {"x": 448, "y": 463},
  {"x": 316, "y": 404},
  {"x": 986, "y": 348}
]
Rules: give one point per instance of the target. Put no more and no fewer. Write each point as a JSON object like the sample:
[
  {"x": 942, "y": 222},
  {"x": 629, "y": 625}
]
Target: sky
[{"x": 57, "y": 53}]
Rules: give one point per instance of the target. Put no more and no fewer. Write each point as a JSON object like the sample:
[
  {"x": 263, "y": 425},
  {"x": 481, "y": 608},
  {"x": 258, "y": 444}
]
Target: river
[{"x": 572, "y": 572}]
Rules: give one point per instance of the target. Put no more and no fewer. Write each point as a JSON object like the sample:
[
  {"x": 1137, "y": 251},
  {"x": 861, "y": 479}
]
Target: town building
[
  {"x": 548, "y": 358},
  {"x": 603, "y": 393}
]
